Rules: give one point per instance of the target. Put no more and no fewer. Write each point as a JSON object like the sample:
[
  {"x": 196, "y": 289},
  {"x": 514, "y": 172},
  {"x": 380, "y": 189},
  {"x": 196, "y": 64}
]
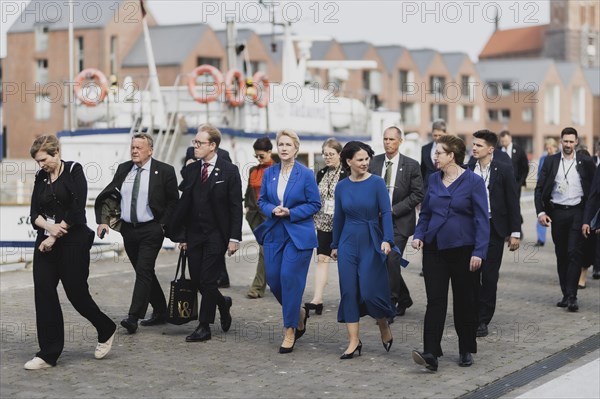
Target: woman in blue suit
[
  {"x": 454, "y": 231},
  {"x": 289, "y": 197}
]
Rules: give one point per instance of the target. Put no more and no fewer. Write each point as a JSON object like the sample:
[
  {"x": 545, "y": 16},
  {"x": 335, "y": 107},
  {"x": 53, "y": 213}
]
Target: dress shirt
[
  {"x": 394, "y": 166},
  {"x": 144, "y": 213},
  {"x": 567, "y": 174}
]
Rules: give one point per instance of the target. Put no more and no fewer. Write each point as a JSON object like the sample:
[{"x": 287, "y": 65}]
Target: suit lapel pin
[
  {"x": 156, "y": 172},
  {"x": 400, "y": 169}
]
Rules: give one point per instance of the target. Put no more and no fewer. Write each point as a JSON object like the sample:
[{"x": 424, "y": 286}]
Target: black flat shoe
[
  {"x": 300, "y": 333},
  {"x": 466, "y": 360},
  {"x": 130, "y": 324},
  {"x": 482, "y": 330},
  {"x": 200, "y": 334},
  {"x": 351, "y": 355},
  {"x": 562, "y": 303},
  {"x": 318, "y": 308},
  {"x": 572, "y": 304},
  {"x": 596, "y": 275},
  {"x": 581, "y": 287},
  {"x": 155, "y": 320},
  {"x": 225, "y": 313},
  {"x": 426, "y": 360}
]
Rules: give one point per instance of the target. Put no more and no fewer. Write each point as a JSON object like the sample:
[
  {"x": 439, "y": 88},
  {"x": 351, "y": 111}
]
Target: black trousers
[
  {"x": 142, "y": 244},
  {"x": 568, "y": 246},
  {"x": 68, "y": 262},
  {"x": 440, "y": 267},
  {"x": 205, "y": 260},
  {"x": 489, "y": 275},
  {"x": 398, "y": 289}
]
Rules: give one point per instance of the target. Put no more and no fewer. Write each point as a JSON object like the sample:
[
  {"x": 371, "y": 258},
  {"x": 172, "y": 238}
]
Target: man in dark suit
[
  {"x": 560, "y": 196},
  {"x": 190, "y": 157},
  {"x": 519, "y": 160},
  {"x": 504, "y": 211},
  {"x": 591, "y": 211},
  {"x": 146, "y": 193},
  {"x": 405, "y": 185},
  {"x": 438, "y": 129},
  {"x": 207, "y": 222}
]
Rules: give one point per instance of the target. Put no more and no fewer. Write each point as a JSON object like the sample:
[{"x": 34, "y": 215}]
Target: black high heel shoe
[
  {"x": 351, "y": 355},
  {"x": 388, "y": 345},
  {"x": 283, "y": 349},
  {"x": 313, "y": 306},
  {"x": 300, "y": 333}
]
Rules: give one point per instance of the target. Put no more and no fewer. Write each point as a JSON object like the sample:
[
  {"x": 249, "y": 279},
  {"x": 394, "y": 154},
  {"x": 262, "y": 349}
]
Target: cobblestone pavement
[{"x": 157, "y": 362}]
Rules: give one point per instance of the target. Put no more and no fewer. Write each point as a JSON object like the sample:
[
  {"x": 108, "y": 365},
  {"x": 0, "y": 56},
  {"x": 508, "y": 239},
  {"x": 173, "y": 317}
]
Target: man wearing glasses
[
  {"x": 403, "y": 178},
  {"x": 207, "y": 222},
  {"x": 190, "y": 157}
]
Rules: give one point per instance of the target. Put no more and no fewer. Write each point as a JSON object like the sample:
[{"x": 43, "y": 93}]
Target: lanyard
[{"x": 568, "y": 170}]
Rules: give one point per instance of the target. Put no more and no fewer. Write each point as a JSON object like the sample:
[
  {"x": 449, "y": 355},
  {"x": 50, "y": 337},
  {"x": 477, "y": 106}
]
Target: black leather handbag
[{"x": 183, "y": 298}]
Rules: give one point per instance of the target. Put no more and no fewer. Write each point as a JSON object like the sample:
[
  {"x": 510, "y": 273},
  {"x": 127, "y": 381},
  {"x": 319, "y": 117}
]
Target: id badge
[
  {"x": 329, "y": 207},
  {"x": 562, "y": 187},
  {"x": 51, "y": 221}
]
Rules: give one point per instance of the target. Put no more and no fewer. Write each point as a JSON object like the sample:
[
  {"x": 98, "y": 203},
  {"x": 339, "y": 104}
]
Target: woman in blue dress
[{"x": 362, "y": 204}]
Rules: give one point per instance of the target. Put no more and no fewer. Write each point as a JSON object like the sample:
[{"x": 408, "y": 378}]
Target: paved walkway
[{"x": 157, "y": 362}]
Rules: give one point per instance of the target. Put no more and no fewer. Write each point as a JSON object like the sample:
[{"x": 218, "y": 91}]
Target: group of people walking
[{"x": 359, "y": 210}]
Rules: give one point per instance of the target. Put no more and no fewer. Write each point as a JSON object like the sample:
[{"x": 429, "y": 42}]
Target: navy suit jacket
[
  {"x": 545, "y": 184},
  {"x": 225, "y": 198},
  {"x": 301, "y": 197},
  {"x": 456, "y": 219},
  {"x": 520, "y": 164},
  {"x": 505, "y": 206}
]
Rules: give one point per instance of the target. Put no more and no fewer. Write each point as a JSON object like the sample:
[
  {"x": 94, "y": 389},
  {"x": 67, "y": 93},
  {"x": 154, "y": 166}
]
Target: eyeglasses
[
  {"x": 329, "y": 154},
  {"x": 260, "y": 156},
  {"x": 438, "y": 153},
  {"x": 197, "y": 143}
]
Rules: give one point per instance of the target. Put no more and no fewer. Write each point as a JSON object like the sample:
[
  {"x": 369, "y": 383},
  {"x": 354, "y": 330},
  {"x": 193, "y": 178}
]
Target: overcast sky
[{"x": 443, "y": 25}]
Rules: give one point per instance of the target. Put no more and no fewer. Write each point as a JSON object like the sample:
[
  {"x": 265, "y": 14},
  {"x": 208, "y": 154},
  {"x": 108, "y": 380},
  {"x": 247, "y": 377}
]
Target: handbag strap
[{"x": 181, "y": 262}]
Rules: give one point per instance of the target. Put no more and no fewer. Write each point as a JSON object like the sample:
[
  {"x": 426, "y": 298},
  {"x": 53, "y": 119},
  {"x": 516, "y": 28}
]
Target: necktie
[
  {"x": 204, "y": 177},
  {"x": 388, "y": 173},
  {"x": 134, "y": 195}
]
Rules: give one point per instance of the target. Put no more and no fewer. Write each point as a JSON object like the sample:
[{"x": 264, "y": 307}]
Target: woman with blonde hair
[
  {"x": 289, "y": 198},
  {"x": 62, "y": 253}
]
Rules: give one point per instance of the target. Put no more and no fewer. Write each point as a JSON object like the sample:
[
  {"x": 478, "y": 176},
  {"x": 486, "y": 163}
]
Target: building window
[
  {"x": 409, "y": 113},
  {"x": 216, "y": 62},
  {"x": 578, "y": 106},
  {"x": 366, "y": 81},
  {"x": 527, "y": 114},
  {"x": 403, "y": 80},
  {"x": 42, "y": 107},
  {"x": 437, "y": 84},
  {"x": 499, "y": 115},
  {"x": 256, "y": 66},
  {"x": 465, "y": 112},
  {"x": 113, "y": 55},
  {"x": 42, "y": 71},
  {"x": 41, "y": 37},
  {"x": 552, "y": 105},
  {"x": 465, "y": 86},
  {"x": 80, "y": 54},
  {"x": 439, "y": 111}
]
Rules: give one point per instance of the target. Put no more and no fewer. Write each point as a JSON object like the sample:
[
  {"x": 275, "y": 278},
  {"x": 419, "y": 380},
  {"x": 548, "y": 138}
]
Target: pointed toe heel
[{"x": 351, "y": 355}]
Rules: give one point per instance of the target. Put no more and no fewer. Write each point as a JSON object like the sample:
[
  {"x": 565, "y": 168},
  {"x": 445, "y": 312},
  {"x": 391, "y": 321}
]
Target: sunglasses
[{"x": 260, "y": 156}]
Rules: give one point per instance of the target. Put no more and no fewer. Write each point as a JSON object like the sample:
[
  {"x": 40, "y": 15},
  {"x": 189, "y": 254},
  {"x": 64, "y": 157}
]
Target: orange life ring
[
  {"x": 263, "y": 100},
  {"x": 232, "y": 98},
  {"x": 99, "y": 78},
  {"x": 201, "y": 70}
]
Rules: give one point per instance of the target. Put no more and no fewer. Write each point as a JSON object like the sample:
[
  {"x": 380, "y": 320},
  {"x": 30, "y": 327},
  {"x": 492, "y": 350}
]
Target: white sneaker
[
  {"x": 102, "y": 349},
  {"x": 37, "y": 363}
]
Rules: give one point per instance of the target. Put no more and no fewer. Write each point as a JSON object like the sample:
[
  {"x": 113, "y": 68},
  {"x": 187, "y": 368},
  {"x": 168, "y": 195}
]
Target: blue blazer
[
  {"x": 301, "y": 197},
  {"x": 456, "y": 216}
]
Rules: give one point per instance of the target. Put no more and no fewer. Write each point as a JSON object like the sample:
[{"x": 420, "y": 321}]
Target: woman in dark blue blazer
[
  {"x": 289, "y": 197},
  {"x": 454, "y": 231}
]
